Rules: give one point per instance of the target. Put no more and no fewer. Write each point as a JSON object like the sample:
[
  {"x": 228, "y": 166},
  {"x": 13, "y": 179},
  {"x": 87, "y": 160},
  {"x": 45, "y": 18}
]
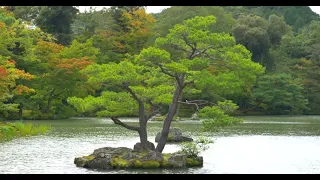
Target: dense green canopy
[{"x": 78, "y": 66}]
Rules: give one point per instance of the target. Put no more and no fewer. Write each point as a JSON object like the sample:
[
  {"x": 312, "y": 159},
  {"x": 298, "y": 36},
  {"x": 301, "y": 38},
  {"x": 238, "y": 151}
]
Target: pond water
[{"x": 265, "y": 144}]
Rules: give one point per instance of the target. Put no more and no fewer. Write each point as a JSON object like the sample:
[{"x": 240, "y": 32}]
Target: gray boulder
[
  {"x": 138, "y": 147},
  {"x": 199, "y": 159},
  {"x": 175, "y": 135},
  {"x": 175, "y": 131},
  {"x": 120, "y": 150},
  {"x": 81, "y": 162},
  {"x": 154, "y": 156},
  {"x": 100, "y": 163},
  {"x": 104, "y": 150},
  {"x": 195, "y": 116},
  {"x": 182, "y": 139},
  {"x": 130, "y": 156},
  {"x": 177, "y": 160}
]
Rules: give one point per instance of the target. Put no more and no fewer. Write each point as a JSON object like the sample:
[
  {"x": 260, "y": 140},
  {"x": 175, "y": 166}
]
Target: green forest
[{"x": 56, "y": 62}]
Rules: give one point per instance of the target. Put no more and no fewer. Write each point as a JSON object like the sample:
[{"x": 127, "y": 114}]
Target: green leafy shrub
[
  {"x": 217, "y": 116},
  {"x": 194, "y": 148}
]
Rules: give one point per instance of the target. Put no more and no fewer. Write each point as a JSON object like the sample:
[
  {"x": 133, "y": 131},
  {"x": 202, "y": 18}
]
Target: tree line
[{"x": 123, "y": 61}]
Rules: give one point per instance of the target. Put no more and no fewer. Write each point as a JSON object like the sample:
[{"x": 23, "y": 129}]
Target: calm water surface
[{"x": 268, "y": 144}]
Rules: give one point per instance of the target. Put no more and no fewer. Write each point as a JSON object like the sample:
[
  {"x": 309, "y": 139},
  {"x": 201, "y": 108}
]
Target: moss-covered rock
[
  {"x": 123, "y": 158},
  {"x": 81, "y": 162},
  {"x": 164, "y": 163},
  {"x": 153, "y": 156},
  {"x": 100, "y": 163},
  {"x": 191, "y": 162},
  {"x": 151, "y": 164},
  {"x": 118, "y": 162},
  {"x": 177, "y": 160},
  {"x": 91, "y": 157}
]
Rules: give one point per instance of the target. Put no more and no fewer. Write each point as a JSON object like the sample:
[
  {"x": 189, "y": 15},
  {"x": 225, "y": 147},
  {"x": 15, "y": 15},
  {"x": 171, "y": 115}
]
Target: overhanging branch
[
  {"x": 196, "y": 103},
  {"x": 118, "y": 122}
]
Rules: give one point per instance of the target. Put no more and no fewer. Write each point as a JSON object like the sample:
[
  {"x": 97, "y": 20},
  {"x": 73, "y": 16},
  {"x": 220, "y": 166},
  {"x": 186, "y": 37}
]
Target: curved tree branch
[
  {"x": 153, "y": 111},
  {"x": 187, "y": 83},
  {"x": 193, "y": 47},
  {"x": 132, "y": 94},
  {"x": 176, "y": 47},
  {"x": 164, "y": 71},
  {"x": 196, "y": 103},
  {"x": 118, "y": 122},
  {"x": 200, "y": 52}
]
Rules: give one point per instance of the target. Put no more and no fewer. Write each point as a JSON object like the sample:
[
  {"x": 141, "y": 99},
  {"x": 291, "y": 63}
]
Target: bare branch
[
  {"x": 192, "y": 46},
  {"x": 163, "y": 70},
  {"x": 193, "y": 51},
  {"x": 151, "y": 115},
  {"x": 189, "y": 103},
  {"x": 184, "y": 36},
  {"x": 200, "y": 52},
  {"x": 118, "y": 122},
  {"x": 154, "y": 110},
  {"x": 199, "y": 100},
  {"x": 132, "y": 94},
  {"x": 195, "y": 103},
  {"x": 187, "y": 83}
]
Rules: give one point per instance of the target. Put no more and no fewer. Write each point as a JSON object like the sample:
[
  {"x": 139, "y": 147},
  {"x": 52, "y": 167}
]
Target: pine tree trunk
[
  {"x": 143, "y": 127},
  {"x": 168, "y": 120},
  {"x": 179, "y": 104}
]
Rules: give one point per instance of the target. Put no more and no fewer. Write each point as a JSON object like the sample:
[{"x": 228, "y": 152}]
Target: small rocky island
[{"x": 126, "y": 158}]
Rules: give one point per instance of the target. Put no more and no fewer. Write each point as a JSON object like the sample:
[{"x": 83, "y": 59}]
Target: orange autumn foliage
[
  {"x": 22, "y": 89},
  {"x": 8, "y": 76},
  {"x": 139, "y": 21},
  {"x": 49, "y": 47},
  {"x": 70, "y": 65},
  {"x": 3, "y": 72},
  {"x": 23, "y": 75},
  {"x": 118, "y": 45}
]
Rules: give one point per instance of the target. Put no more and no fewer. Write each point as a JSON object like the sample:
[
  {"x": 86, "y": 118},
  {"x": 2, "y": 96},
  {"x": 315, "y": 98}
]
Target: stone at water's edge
[
  {"x": 158, "y": 117},
  {"x": 122, "y": 158},
  {"x": 195, "y": 116},
  {"x": 155, "y": 117},
  {"x": 178, "y": 160},
  {"x": 175, "y": 135},
  {"x": 138, "y": 146},
  {"x": 153, "y": 156}
]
